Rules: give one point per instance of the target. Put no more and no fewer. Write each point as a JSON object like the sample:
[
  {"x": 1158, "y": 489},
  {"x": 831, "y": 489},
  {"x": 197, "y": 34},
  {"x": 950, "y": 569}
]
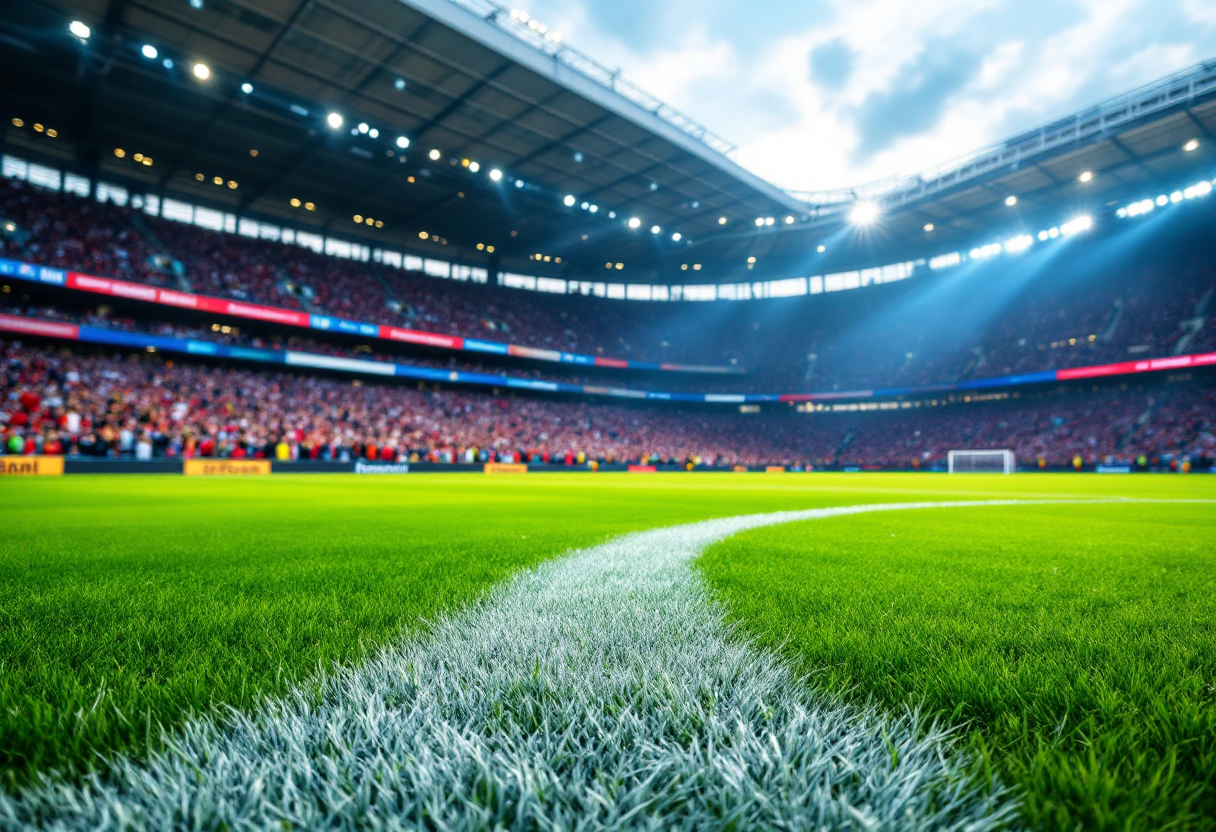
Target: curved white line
[{"x": 599, "y": 690}]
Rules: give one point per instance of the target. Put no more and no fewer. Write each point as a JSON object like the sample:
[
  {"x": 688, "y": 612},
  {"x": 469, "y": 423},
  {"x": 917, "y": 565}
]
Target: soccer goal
[{"x": 981, "y": 462}]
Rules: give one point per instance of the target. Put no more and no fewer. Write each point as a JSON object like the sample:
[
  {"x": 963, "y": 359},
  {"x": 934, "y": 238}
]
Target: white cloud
[{"x": 1016, "y": 64}]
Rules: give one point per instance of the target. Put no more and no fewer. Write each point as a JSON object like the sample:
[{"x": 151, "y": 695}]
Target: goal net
[{"x": 981, "y": 462}]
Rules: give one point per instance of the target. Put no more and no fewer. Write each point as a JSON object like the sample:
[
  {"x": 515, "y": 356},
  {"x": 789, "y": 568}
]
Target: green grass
[
  {"x": 127, "y": 603},
  {"x": 1076, "y": 644}
]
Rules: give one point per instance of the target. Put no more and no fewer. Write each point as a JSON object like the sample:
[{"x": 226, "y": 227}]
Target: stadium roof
[{"x": 466, "y": 84}]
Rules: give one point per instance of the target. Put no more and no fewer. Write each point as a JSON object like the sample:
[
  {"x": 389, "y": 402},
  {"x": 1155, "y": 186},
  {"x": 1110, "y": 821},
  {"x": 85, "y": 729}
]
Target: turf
[
  {"x": 1076, "y": 643},
  {"x": 127, "y": 603}
]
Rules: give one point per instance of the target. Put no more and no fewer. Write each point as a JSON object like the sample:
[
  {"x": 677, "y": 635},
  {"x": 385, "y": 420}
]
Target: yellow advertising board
[
  {"x": 226, "y": 467},
  {"x": 31, "y": 466},
  {"x": 775, "y": 469},
  {"x": 506, "y": 468}
]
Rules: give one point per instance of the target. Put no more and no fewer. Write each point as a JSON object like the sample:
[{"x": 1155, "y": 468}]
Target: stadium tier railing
[
  {"x": 838, "y": 400},
  {"x": 325, "y": 323}
]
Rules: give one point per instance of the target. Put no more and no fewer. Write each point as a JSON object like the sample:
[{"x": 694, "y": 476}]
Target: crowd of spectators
[
  {"x": 1006, "y": 315},
  {"x": 55, "y": 400}
]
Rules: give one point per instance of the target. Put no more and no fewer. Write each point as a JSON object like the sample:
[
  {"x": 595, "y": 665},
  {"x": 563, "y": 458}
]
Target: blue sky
[{"x": 823, "y": 94}]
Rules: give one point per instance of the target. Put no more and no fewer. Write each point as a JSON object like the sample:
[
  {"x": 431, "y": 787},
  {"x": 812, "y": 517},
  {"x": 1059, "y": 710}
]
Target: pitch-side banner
[
  {"x": 31, "y": 466},
  {"x": 226, "y": 467},
  {"x": 506, "y": 468}
]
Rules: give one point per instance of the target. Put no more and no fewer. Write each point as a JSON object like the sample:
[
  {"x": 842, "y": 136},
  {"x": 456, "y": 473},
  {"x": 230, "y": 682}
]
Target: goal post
[{"x": 981, "y": 462}]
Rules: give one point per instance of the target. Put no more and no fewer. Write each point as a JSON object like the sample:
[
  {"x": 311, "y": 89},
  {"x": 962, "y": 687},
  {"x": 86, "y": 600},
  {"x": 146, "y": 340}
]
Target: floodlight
[
  {"x": 928, "y": 226},
  {"x": 496, "y": 175},
  {"x": 1163, "y": 200},
  {"x": 675, "y": 238},
  {"x": 373, "y": 133},
  {"x": 474, "y": 167},
  {"x": 1077, "y": 225},
  {"x": 569, "y": 200},
  {"x": 201, "y": 71},
  {"x": 1011, "y": 200},
  {"x": 80, "y": 29},
  {"x": 864, "y": 213},
  {"x": 403, "y": 142},
  {"x": 654, "y": 229},
  {"x": 759, "y": 222},
  {"x": 435, "y": 154},
  {"x": 721, "y": 220},
  {"x": 1193, "y": 144},
  {"x": 247, "y": 88},
  {"x": 149, "y": 51},
  {"x": 399, "y": 83},
  {"x": 821, "y": 249},
  {"x": 167, "y": 63},
  {"x": 789, "y": 220},
  {"x": 363, "y": 128},
  {"x": 334, "y": 120},
  {"x": 635, "y": 223},
  {"x": 1087, "y": 176},
  {"x": 593, "y": 208}
]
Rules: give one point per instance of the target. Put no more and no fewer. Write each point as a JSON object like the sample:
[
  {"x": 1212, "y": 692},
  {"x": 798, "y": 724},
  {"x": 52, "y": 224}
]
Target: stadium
[{"x": 695, "y": 501}]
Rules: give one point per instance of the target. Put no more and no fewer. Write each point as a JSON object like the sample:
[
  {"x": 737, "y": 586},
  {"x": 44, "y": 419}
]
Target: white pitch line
[{"x": 602, "y": 690}]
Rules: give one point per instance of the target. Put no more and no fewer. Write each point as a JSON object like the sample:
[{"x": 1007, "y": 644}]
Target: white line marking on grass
[{"x": 602, "y": 690}]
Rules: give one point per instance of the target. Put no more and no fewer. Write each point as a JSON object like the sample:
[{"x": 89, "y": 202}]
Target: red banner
[
  {"x": 51, "y": 329},
  {"x": 426, "y": 339},
  {"x": 184, "y": 300}
]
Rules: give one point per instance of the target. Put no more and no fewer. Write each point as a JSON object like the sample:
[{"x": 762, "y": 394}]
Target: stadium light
[
  {"x": 569, "y": 200},
  {"x": 789, "y": 220},
  {"x": 474, "y": 167},
  {"x": 821, "y": 249},
  {"x": 149, "y": 51},
  {"x": 363, "y": 128},
  {"x": 1087, "y": 176},
  {"x": 721, "y": 220},
  {"x": 864, "y": 213},
  {"x": 675, "y": 238},
  {"x": 80, "y": 29},
  {"x": 247, "y": 88},
  {"x": 759, "y": 222},
  {"x": 1076, "y": 225},
  {"x": 435, "y": 154},
  {"x": 928, "y": 227},
  {"x": 635, "y": 223},
  {"x": 1011, "y": 200},
  {"x": 201, "y": 71},
  {"x": 654, "y": 229},
  {"x": 167, "y": 63},
  {"x": 334, "y": 120},
  {"x": 1193, "y": 144},
  {"x": 1019, "y": 244},
  {"x": 403, "y": 142},
  {"x": 373, "y": 133},
  {"x": 495, "y": 175},
  {"x": 594, "y": 208}
]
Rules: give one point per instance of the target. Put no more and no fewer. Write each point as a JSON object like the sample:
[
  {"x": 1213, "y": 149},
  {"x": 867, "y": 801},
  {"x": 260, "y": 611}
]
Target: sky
[{"x": 828, "y": 94}]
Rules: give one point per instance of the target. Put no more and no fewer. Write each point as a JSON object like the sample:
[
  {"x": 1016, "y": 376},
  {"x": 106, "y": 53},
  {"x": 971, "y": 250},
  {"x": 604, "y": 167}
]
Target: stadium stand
[
  {"x": 56, "y": 400},
  {"x": 1081, "y": 309}
]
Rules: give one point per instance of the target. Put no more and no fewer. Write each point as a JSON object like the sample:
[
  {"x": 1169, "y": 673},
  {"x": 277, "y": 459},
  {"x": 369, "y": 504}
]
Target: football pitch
[{"x": 546, "y": 651}]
